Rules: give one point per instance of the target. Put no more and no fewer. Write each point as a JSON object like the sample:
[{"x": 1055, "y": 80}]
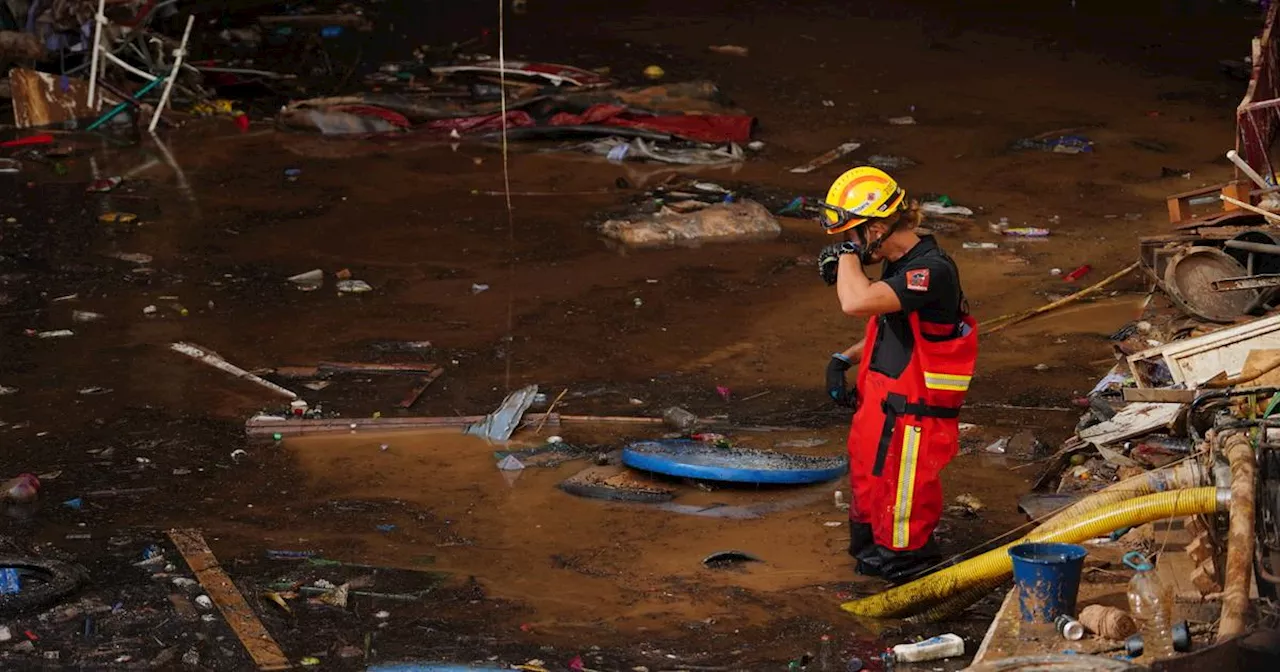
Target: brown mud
[{"x": 524, "y": 565}]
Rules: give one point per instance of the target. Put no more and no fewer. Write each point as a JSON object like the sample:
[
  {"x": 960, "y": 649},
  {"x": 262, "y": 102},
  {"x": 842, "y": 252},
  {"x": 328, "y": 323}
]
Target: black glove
[
  {"x": 829, "y": 259},
  {"x": 837, "y": 388}
]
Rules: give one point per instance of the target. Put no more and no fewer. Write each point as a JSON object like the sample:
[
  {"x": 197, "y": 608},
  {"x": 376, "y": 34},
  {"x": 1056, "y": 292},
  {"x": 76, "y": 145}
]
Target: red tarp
[
  {"x": 698, "y": 127},
  {"x": 712, "y": 128}
]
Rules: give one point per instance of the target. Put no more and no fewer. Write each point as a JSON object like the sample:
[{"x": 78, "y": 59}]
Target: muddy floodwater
[{"x": 513, "y": 568}]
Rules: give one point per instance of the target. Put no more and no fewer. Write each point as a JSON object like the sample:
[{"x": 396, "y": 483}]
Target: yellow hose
[
  {"x": 1187, "y": 474},
  {"x": 996, "y": 563}
]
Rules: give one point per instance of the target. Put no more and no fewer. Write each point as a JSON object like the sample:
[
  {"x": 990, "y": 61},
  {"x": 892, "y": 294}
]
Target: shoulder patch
[{"x": 918, "y": 280}]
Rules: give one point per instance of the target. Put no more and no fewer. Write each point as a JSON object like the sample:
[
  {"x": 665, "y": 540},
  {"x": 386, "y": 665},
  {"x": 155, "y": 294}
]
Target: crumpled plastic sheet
[
  {"x": 638, "y": 149},
  {"x": 500, "y": 424}
]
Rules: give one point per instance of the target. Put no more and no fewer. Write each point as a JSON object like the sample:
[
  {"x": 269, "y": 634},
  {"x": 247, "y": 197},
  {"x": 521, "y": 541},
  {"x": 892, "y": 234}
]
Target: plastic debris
[
  {"x": 354, "y": 286},
  {"x": 104, "y": 185},
  {"x": 10, "y": 581},
  {"x": 980, "y": 246},
  {"x": 831, "y": 155},
  {"x": 889, "y": 162},
  {"x": 386, "y": 527},
  {"x": 1063, "y": 144},
  {"x": 7, "y": 390},
  {"x": 204, "y": 602},
  {"x": 902, "y": 121},
  {"x": 999, "y": 446},
  {"x": 118, "y": 218},
  {"x": 500, "y": 424},
  {"x": 477, "y": 288},
  {"x": 56, "y": 333},
  {"x": 1078, "y": 273},
  {"x": 133, "y": 257},
  {"x": 85, "y": 316},
  {"x": 74, "y": 504},
  {"x": 728, "y": 49},
  {"x": 20, "y": 489},
  {"x": 1026, "y": 232},
  {"x": 654, "y": 72},
  {"x": 309, "y": 281},
  {"x": 510, "y": 463},
  {"x": 724, "y": 392}
]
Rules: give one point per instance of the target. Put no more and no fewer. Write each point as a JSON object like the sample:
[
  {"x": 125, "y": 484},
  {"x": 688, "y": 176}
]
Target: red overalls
[{"x": 906, "y": 430}]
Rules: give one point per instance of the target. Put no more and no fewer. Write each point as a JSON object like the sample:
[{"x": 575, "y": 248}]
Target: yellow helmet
[{"x": 858, "y": 195}]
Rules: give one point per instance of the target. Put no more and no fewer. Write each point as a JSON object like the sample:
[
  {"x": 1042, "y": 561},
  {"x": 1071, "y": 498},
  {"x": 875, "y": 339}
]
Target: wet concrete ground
[{"x": 523, "y": 566}]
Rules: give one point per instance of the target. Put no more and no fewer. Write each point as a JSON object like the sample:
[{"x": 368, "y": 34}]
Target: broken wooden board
[
  {"x": 1134, "y": 420},
  {"x": 1194, "y": 361},
  {"x": 1158, "y": 395},
  {"x": 374, "y": 367},
  {"x": 42, "y": 99},
  {"x": 257, "y": 641},
  {"x": 418, "y": 388}
]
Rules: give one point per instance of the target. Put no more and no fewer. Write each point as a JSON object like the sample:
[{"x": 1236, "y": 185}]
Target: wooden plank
[
  {"x": 267, "y": 426},
  {"x": 1156, "y": 395},
  {"x": 374, "y": 367},
  {"x": 253, "y": 635},
  {"x": 1133, "y": 420},
  {"x": 42, "y": 99},
  {"x": 1002, "y": 615},
  {"x": 419, "y": 387}
]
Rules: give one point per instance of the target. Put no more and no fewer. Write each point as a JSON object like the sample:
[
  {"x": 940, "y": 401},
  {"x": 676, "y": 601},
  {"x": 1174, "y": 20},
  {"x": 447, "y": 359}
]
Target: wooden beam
[
  {"x": 253, "y": 635},
  {"x": 1159, "y": 395}
]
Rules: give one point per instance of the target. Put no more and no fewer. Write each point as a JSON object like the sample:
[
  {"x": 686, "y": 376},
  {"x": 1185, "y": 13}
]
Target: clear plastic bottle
[
  {"x": 1151, "y": 604},
  {"x": 826, "y": 657}
]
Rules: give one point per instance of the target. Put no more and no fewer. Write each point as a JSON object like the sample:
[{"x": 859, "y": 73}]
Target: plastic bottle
[
  {"x": 1150, "y": 603},
  {"x": 826, "y": 657},
  {"x": 934, "y": 648}
]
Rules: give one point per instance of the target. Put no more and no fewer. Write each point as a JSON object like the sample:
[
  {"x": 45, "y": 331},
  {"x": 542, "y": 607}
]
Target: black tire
[{"x": 43, "y": 582}]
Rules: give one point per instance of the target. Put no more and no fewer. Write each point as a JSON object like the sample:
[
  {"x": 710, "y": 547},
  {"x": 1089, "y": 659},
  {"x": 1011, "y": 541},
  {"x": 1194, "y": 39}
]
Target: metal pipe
[
  {"x": 1248, "y": 246},
  {"x": 1248, "y": 170},
  {"x": 1238, "y": 574}
]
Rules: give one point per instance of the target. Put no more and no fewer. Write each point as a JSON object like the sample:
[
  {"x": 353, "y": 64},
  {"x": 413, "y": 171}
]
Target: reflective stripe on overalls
[{"x": 906, "y": 429}]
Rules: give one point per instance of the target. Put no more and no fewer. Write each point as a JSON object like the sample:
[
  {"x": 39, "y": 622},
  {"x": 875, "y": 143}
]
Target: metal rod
[
  {"x": 173, "y": 75},
  {"x": 1248, "y": 246},
  {"x": 1261, "y": 281},
  {"x": 99, "y": 19}
]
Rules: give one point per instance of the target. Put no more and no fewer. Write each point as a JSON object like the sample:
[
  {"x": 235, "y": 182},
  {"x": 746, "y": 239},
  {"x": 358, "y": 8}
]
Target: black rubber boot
[
  {"x": 903, "y": 566},
  {"x": 871, "y": 560},
  {"x": 860, "y": 538}
]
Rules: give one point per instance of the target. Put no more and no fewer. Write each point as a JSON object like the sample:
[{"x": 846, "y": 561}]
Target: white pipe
[
  {"x": 125, "y": 64},
  {"x": 173, "y": 74},
  {"x": 1251, "y": 208},
  {"x": 99, "y": 20},
  {"x": 1248, "y": 170}
]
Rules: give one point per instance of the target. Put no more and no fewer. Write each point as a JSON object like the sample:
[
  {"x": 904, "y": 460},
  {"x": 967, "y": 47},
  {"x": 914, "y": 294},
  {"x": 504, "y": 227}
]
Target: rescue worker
[{"x": 914, "y": 365}]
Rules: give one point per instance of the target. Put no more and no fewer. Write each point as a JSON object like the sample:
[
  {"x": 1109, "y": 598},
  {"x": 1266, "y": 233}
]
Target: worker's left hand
[
  {"x": 837, "y": 387},
  {"x": 829, "y": 259}
]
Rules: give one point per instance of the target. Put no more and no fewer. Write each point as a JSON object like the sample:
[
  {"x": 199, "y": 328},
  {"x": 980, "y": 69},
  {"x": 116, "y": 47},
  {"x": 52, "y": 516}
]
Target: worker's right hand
[
  {"x": 837, "y": 388},
  {"x": 829, "y": 259}
]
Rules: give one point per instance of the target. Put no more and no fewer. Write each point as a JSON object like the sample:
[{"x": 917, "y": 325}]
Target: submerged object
[{"x": 694, "y": 459}]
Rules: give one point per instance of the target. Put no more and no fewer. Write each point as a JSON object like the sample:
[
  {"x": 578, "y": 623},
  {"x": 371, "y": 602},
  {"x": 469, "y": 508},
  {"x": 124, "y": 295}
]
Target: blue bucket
[{"x": 1047, "y": 578}]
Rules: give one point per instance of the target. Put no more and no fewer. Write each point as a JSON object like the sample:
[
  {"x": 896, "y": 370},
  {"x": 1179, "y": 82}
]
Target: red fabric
[
  {"x": 42, "y": 139},
  {"x": 697, "y": 127},
  {"x": 481, "y": 124},
  {"x": 912, "y": 511}
]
